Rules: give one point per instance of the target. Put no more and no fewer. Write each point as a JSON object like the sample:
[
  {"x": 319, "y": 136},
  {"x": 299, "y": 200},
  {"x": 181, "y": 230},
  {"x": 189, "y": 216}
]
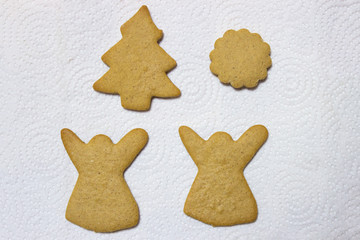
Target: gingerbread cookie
[
  {"x": 220, "y": 195},
  {"x": 138, "y": 65},
  {"x": 240, "y": 58},
  {"x": 101, "y": 200}
]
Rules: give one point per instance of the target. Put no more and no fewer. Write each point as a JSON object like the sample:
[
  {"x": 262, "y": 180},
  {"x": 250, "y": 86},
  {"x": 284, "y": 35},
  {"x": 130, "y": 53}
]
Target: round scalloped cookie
[{"x": 240, "y": 58}]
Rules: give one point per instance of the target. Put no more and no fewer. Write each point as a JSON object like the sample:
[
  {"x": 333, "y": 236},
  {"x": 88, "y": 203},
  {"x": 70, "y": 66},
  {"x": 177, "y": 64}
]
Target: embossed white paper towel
[{"x": 305, "y": 178}]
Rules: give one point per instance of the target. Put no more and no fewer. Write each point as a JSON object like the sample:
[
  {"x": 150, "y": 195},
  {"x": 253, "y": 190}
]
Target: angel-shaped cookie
[
  {"x": 101, "y": 200},
  {"x": 220, "y": 195}
]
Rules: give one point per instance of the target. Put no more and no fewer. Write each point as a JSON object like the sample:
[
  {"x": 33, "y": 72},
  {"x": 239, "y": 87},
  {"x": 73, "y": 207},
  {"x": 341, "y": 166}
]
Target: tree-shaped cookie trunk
[
  {"x": 101, "y": 200},
  {"x": 138, "y": 65}
]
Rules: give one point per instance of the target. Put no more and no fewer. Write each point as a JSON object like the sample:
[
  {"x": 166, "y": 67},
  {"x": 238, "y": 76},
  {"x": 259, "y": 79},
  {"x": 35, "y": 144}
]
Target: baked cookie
[
  {"x": 138, "y": 65},
  {"x": 220, "y": 195},
  {"x": 101, "y": 200},
  {"x": 240, "y": 58}
]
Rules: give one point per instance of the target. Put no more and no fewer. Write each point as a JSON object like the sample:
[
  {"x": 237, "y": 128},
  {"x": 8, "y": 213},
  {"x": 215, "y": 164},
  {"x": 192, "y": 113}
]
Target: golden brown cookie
[
  {"x": 240, "y": 58},
  {"x": 220, "y": 195},
  {"x": 101, "y": 200},
  {"x": 138, "y": 65}
]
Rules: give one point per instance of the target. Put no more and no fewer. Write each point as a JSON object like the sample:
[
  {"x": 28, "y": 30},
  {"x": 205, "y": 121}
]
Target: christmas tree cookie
[
  {"x": 220, "y": 195},
  {"x": 138, "y": 65},
  {"x": 240, "y": 58},
  {"x": 101, "y": 200}
]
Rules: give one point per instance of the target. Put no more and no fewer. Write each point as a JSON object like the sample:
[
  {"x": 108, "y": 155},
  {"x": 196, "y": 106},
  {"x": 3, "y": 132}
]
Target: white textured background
[{"x": 306, "y": 178}]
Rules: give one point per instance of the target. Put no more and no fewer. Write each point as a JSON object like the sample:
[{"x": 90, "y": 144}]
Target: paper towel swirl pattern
[{"x": 305, "y": 178}]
